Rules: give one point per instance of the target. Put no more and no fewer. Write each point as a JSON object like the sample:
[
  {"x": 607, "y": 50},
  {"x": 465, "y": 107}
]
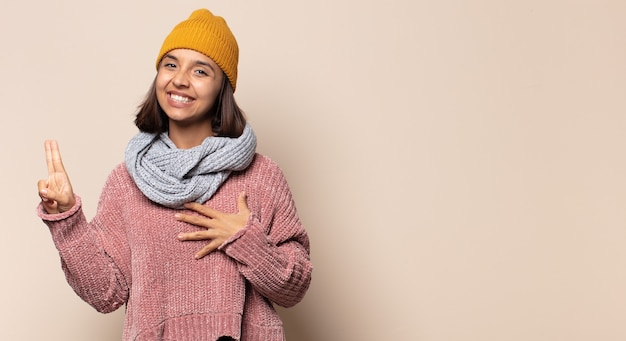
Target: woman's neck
[{"x": 185, "y": 137}]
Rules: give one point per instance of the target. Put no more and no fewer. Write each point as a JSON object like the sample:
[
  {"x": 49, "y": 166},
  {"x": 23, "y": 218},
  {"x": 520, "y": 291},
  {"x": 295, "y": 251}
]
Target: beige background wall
[{"x": 459, "y": 164}]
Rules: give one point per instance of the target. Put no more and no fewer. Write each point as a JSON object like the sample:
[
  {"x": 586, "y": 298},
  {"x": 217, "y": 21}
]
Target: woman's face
[{"x": 187, "y": 85}]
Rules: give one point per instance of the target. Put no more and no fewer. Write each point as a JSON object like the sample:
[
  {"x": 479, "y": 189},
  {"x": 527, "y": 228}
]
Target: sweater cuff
[
  {"x": 249, "y": 245},
  {"x": 64, "y": 227},
  {"x": 239, "y": 233},
  {"x": 47, "y": 217}
]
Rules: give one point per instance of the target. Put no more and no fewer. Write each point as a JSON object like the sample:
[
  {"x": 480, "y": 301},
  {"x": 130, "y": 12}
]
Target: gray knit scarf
[{"x": 171, "y": 177}]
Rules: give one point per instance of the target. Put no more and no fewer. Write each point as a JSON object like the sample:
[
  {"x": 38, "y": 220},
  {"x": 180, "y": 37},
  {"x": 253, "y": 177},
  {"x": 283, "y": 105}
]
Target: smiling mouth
[{"x": 180, "y": 99}]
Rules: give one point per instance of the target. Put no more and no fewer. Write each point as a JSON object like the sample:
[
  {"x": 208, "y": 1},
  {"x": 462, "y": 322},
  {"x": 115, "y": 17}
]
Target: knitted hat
[{"x": 207, "y": 34}]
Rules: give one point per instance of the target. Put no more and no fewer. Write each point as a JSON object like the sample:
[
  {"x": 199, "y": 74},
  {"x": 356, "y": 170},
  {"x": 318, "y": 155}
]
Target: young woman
[{"x": 195, "y": 232}]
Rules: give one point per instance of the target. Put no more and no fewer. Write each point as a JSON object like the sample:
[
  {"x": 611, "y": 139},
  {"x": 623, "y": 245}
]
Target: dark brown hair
[{"x": 227, "y": 119}]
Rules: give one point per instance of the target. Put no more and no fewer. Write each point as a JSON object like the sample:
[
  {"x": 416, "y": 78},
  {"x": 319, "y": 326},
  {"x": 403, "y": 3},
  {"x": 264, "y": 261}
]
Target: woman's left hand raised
[{"x": 219, "y": 226}]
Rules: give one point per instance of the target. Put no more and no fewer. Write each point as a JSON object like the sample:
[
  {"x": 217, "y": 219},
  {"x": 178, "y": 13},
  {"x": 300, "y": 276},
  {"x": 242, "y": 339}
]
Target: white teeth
[{"x": 181, "y": 99}]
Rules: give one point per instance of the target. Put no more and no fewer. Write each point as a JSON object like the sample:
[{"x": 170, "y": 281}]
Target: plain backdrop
[{"x": 459, "y": 165}]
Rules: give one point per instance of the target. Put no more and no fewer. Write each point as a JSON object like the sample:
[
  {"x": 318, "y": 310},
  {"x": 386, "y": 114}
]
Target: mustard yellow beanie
[{"x": 207, "y": 34}]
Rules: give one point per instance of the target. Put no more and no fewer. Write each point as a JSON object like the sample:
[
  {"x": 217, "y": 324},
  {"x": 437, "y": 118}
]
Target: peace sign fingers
[
  {"x": 56, "y": 193},
  {"x": 53, "y": 157}
]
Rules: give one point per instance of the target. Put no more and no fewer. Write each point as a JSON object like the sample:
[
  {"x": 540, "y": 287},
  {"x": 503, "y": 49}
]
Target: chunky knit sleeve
[
  {"x": 272, "y": 251},
  {"x": 93, "y": 254}
]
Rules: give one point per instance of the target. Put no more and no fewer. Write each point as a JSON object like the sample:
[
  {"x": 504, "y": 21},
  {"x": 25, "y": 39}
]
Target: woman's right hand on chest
[{"x": 56, "y": 193}]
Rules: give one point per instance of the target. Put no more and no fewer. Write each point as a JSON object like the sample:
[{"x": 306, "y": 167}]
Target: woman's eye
[
  {"x": 169, "y": 65},
  {"x": 201, "y": 72}
]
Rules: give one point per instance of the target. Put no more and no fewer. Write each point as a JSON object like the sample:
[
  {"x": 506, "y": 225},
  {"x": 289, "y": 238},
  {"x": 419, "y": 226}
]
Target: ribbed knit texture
[
  {"x": 207, "y": 34},
  {"x": 129, "y": 254},
  {"x": 171, "y": 176}
]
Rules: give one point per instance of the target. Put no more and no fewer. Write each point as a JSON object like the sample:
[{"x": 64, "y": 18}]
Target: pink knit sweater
[{"x": 129, "y": 254}]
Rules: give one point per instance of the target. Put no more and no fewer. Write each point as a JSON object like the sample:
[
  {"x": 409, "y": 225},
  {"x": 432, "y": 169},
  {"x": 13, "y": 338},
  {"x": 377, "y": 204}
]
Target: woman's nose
[{"x": 180, "y": 79}]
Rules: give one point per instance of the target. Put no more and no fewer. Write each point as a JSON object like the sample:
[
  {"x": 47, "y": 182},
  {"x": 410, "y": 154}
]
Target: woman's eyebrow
[
  {"x": 170, "y": 56},
  {"x": 199, "y": 62}
]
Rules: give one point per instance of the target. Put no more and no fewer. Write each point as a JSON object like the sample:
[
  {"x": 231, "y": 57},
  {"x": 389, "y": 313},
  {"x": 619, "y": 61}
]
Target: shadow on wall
[
  {"x": 297, "y": 325},
  {"x": 110, "y": 325}
]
